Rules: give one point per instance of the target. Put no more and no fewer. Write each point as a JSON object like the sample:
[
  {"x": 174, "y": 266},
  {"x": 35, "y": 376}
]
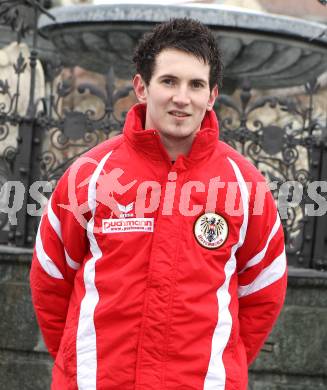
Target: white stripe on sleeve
[
  {"x": 45, "y": 261},
  {"x": 54, "y": 220},
  {"x": 259, "y": 256},
  {"x": 56, "y": 225},
  {"x": 266, "y": 277}
]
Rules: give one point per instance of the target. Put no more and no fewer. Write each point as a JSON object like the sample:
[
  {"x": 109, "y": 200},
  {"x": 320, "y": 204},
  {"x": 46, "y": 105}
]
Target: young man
[{"x": 160, "y": 261}]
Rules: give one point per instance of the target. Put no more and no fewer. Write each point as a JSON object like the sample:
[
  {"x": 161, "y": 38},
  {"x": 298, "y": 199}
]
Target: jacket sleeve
[
  {"x": 59, "y": 250},
  {"x": 262, "y": 272}
]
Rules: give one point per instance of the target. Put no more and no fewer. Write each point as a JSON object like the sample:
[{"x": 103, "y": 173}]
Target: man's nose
[{"x": 181, "y": 96}]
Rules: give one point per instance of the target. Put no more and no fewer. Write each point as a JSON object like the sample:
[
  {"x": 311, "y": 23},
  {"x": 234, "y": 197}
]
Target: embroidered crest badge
[{"x": 211, "y": 230}]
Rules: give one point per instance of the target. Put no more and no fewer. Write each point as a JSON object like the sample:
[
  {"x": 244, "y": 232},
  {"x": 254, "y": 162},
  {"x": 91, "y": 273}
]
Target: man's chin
[{"x": 178, "y": 134}]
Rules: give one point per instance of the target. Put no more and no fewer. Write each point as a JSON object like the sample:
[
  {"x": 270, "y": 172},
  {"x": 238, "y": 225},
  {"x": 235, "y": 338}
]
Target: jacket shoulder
[
  {"x": 84, "y": 166},
  {"x": 249, "y": 171},
  {"x": 100, "y": 150}
]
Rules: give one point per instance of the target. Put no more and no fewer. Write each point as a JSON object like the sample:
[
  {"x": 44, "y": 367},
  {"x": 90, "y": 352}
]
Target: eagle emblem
[{"x": 211, "y": 230}]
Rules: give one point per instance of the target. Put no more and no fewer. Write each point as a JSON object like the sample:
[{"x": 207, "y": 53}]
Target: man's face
[{"x": 177, "y": 96}]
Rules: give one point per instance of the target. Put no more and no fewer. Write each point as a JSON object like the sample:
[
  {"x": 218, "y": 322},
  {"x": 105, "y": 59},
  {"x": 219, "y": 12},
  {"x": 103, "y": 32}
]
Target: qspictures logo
[{"x": 113, "y": 184}]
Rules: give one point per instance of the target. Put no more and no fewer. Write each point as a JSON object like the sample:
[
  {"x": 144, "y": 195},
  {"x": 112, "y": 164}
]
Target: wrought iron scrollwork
[
  {"x": 20, "y": 14},
  {"x": 281, "y": 152},
  {"x": 76, "y": 130},
  {"x": 4, "y": 177},
  {"x": 49, "y": 135}
]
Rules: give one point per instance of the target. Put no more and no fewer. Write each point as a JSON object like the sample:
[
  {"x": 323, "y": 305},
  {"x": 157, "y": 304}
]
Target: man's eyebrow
[
  {"x": 200, "y": 81},
  {"x": 170, "y": 76}
]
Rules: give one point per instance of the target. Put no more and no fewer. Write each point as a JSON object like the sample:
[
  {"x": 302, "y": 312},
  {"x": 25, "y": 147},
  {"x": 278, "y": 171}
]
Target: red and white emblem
[{"x": 211, "y": 230}]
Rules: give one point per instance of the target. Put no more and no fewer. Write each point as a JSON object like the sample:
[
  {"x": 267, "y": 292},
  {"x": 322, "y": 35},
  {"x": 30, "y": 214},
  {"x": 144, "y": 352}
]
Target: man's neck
[{"x": 175, "y": 147}]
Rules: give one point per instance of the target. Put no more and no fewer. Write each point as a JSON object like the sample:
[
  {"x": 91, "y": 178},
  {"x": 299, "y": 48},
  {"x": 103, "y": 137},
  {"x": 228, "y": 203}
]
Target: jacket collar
[{"x": 149, "y": 143}]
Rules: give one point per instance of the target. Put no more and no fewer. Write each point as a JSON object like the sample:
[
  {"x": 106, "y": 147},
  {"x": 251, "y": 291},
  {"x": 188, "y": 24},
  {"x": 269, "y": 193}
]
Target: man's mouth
[{"x": 179, "y": 114}]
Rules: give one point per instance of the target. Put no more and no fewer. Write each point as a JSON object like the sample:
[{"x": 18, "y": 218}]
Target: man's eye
[
  {"x": 168, "y": 81},
  {"x": 197, "y": 84}
]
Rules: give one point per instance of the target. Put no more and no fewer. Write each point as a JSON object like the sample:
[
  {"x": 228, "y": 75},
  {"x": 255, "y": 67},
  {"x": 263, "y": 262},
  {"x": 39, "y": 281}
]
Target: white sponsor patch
[
  {"x": 125, "y": 225},
  {"x": 211, "y": 230}
]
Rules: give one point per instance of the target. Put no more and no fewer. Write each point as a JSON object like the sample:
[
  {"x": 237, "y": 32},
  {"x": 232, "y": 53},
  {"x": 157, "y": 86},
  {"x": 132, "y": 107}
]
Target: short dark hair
[{"x": 185, "y": 34}]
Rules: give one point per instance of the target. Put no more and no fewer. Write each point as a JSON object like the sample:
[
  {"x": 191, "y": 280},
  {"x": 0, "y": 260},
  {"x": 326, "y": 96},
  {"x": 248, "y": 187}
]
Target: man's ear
[
  {"x": 139, "y": 88},
  {"x": 212, "y": 98}
]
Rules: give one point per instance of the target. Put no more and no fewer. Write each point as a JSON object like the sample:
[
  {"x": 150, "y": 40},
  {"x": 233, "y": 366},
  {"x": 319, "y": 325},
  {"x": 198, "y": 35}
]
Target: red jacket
[{"x": 150, "y": 275}]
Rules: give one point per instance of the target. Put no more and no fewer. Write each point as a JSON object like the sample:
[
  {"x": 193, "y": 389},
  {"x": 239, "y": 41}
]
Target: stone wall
[
  {"x": 24, "y": 363},
  {"x": 294, "y": 357}
]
